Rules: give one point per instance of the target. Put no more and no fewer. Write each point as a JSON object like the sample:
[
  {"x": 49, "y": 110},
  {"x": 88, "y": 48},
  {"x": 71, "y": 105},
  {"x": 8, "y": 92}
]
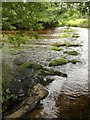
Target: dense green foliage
[
  {"x": 28, "y": 15},
  {"x": 31, "y": 15}
]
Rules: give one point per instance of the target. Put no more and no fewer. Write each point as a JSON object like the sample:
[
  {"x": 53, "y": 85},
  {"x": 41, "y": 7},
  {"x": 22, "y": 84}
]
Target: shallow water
[
  {"x": 71, "y": 88},
  {"x": 66, "y": 95}
]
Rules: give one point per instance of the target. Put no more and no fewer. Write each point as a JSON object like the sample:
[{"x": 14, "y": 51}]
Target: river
[{"x": 68, "y": 97}]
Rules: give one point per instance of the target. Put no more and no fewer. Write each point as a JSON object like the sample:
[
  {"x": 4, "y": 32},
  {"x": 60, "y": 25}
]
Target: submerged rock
[
  {"x": 38, "y": 92},
  {"x": 19, "y": 59}
]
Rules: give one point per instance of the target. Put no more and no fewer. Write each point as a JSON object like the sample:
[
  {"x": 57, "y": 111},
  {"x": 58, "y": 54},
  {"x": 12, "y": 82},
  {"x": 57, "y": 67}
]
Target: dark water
[{"x": 68, "y": 97}]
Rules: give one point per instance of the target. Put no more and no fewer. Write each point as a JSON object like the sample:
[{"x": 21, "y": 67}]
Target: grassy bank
[{"x": 82, "y": 22}]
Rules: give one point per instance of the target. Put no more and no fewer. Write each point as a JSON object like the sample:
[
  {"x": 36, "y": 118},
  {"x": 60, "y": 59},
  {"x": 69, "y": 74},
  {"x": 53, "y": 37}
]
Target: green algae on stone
[
  {"x": 68, "y": 29},
  {"x": 45, "y": 72},
  {"x": 31, "y": 65},
  {"x": 71, "y": 52},
  {"x": 56, "y": 48},
  {"x": 53, "y": 72},
  {"x": 54, "y": 63},
  {"x": 75, "y": 35},
  {"x": 69, "y": 33},
  {"x": 57, "y": 44},
  {"x": 71, "y": 44},
  {"x": 60, "y": 61},
  {"x": 74, "y": 61},
  {"x": 65, "y": 35},
  {"x": 66, "y": 43}
]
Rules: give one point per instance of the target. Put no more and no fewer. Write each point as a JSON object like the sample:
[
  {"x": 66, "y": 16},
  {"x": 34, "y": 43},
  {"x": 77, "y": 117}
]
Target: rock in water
[
  {"x": 38, "y": 93},
  {"x": 19, "y": 59}
]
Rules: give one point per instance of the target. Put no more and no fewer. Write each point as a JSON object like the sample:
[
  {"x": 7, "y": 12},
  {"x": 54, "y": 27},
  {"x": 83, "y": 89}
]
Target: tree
[
  {"x": 38, "y": 15},
  {"x": 26, "y": 15}
]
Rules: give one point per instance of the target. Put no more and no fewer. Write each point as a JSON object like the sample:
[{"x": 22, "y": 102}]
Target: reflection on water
[
  {"x": 70, "y": 107},
  {"x": 68, "y": 97}
]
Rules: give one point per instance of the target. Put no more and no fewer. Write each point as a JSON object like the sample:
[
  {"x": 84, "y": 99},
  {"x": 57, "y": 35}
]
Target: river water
[{"x": 68, "y": 97}]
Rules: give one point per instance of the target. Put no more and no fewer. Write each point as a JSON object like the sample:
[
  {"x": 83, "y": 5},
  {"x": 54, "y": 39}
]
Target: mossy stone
[
  {"x": 67, "y": 44},
  {"x": 60, "y": 61},
  {"x": 56, "y": 48},
  {"x": 74, "y": 61},
  {"x": 31, "y": 65},
  {"x": 71, "y": 52},
  {"x": 54, "y": 63}
]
